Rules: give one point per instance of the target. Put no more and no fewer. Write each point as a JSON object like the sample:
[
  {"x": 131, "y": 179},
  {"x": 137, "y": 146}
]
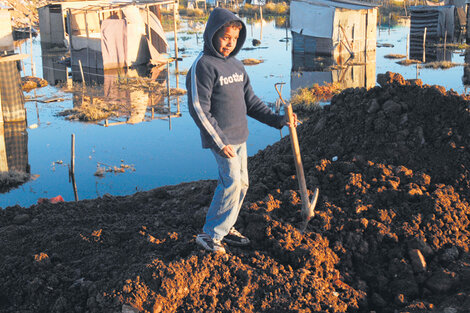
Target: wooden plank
[{"x": 13, "y": 57}]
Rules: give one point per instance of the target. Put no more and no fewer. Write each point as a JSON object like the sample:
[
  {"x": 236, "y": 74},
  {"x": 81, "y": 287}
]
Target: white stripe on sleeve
[{"x": 197, "y": 107}]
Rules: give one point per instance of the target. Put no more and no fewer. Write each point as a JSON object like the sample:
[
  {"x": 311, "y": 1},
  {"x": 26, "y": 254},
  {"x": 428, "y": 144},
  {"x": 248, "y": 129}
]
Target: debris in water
[
  {"x": 252, "y": 61},
  {"x": 102, "y": 168},
  {"x": 394, "y": 56},
  {"x": 29, "y": 83}
]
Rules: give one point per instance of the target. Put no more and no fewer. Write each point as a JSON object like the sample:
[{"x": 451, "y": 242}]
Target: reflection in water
[
  {"x": 434, "y": 52},
  {"x": 119, "y": 96},
  {"x": 54, "y": 69},
  {"x": 308, "y": 69},
  {"x": 466, "y": 70},
  {"x": 14, "y": 147},
  {"x": 14, "y": 166},
  {"x": 112, "y": 96}
]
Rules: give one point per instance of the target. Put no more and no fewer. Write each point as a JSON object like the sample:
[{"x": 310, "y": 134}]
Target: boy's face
[{"x": 226, "y": 40}]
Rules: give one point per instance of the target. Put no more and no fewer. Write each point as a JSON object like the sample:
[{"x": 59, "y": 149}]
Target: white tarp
[
  {"x": 114, "y": 43},
  {"x": 137, "y": 52},
  {"x": 311, "y": 20}
]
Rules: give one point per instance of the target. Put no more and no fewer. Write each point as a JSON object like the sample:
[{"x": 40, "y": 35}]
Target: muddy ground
[{"x": 391, "y": 232}]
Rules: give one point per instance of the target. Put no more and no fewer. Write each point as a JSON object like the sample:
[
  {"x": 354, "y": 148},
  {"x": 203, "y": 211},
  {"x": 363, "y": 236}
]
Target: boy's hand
[
  {"x": 296, "y": 121},
  {"x": 227, "y": 152}
]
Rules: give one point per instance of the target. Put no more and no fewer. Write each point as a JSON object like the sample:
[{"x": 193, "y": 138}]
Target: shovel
[{"x": 308, "y": 207}]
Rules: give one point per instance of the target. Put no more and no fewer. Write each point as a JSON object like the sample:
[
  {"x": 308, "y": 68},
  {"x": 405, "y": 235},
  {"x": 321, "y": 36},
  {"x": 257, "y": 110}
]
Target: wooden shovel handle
[{"x": 297, "y": 158}]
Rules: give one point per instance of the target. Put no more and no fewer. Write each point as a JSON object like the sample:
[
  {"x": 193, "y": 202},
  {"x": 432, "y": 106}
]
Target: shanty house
[
  {"x": 105, "y": 35},
  {"x": 438, "y": 21},
  {"x": 333, "y": 28}
]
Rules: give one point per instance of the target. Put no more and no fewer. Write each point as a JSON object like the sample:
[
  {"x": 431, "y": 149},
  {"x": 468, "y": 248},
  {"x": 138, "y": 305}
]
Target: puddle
[{"x": 161, "y": 147}]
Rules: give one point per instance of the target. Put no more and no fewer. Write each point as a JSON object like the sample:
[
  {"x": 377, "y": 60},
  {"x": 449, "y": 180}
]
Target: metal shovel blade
[{"x": 309, "y": 212}]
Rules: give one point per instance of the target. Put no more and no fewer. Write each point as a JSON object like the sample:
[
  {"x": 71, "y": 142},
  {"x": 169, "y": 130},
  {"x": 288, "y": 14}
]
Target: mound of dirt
[{"x": 391, "y": 231}]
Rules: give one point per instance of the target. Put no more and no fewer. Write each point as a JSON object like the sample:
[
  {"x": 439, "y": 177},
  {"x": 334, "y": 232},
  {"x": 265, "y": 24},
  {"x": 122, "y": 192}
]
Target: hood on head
[{"x": 217, "y": 19}]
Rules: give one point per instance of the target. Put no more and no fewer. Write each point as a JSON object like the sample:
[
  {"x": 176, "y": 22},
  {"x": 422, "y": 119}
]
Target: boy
[{"x": 219, "y": 98}]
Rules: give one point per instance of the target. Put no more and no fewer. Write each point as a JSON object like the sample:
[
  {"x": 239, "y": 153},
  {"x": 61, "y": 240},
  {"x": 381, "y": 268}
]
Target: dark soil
[{"x": 391, "y": 231}]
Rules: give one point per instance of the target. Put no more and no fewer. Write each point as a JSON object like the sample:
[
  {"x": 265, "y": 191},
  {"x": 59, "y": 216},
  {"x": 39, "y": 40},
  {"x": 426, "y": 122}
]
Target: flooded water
[{"x": 163, "y": 151}]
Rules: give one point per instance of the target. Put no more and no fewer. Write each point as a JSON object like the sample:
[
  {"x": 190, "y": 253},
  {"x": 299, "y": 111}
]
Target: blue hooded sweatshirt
[{"x": 220, "y": 95}]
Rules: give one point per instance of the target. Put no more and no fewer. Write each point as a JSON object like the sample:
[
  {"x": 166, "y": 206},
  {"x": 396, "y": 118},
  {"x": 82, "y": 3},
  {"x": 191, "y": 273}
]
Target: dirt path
[{"x": 391, "y": 230}]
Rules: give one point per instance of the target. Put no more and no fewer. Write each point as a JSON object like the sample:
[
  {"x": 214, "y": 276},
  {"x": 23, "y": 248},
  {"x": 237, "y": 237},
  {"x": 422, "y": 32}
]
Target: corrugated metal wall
[{"x": 313, "y": 45}]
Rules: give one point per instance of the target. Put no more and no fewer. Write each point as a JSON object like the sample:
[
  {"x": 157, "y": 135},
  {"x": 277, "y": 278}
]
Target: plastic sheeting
[
  {"x": 114, "y": 43},
  {"x": 155, "y": 25}
]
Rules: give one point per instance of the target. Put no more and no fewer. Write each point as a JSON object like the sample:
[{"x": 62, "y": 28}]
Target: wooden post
[
  {"x": 22, "y": 63},
  {"x": 389, "y": 22},
  {"x": 168, "y": 83},
  {"x": 37, "y": 109},
  {"x": 87, "y": 41},
  {"x": 74, "y": 186},
  {"x": 424, "y": 45},
  {"x": 81, "y": 72},
  {"x": 261, "y": 20},
  {"x": 177, "y": 74},
  {"x": 407, "y": 45},
  {"x": 31, "y": 40},
  {"x": 175, "y": 7},
  {"x": 72, "y": 156},
  {"x": 69, "y": 23},
  {"x": 72, "y": 169},
  {"x": 445, "y": 44},
  {"x": 287, "y": 37},
  {"x": 380, "y": 23}
]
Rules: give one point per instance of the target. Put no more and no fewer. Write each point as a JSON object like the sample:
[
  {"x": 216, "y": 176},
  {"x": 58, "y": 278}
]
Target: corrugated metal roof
[{"x": 429, "y": 8}]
